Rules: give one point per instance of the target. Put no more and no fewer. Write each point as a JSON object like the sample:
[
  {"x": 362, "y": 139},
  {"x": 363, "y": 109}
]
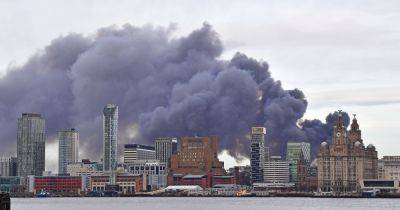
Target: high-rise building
[
  {"x": 389, "y": 167},
  {"x": 257, "y": 153},
  {"x": 31, "y": 139},
  {"x": 346, "y": 161},
  {"x": 110, "y": 137},
  {"x": 276, "y": 170},
  {"x": 8, "y": 166},
  {"x": 165, "y": 147},
  {"x": 68, "y": 146},
  {"x": 197, "y": 156},
  {"x": 135, "y": 152},
  {"x": 297, "y": 152}
]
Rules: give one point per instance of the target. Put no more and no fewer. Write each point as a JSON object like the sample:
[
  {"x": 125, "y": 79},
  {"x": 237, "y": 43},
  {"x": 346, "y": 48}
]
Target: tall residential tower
[
  {"x": 257, "y": 153},
  {"x": 68, "y": 146},
  {"x": 31, "y": 137},
  {"x": 110, "y": 137}
]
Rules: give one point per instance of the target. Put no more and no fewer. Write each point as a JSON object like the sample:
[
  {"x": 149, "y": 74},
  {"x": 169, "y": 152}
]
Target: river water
[{"x": 198, "y": 203}]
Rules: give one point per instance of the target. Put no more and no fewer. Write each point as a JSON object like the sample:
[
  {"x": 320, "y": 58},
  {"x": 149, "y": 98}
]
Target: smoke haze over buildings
[{"x": 163, "y": 85}]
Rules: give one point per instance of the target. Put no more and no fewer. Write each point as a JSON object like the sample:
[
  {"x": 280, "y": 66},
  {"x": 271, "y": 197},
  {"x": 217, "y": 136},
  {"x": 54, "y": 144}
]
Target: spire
[{"x": 339, "y": 122}]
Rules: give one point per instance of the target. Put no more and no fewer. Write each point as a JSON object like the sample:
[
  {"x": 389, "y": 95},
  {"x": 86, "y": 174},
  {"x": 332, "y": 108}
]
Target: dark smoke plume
[{"x": 163, "y": 86}]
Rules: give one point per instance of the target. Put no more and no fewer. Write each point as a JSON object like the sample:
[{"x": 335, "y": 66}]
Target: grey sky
[{"x": 342, "y": 54}]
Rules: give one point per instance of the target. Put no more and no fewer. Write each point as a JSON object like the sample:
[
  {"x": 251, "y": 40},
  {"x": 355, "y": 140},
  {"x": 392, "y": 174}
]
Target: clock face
[{"x": 338, "y": 134}]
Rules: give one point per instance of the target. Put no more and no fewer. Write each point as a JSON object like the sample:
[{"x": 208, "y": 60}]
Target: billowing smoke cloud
[{"x": 164, "y": 86}]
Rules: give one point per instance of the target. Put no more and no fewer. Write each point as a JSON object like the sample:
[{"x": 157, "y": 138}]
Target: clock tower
[{"x": 339, "y": 131}]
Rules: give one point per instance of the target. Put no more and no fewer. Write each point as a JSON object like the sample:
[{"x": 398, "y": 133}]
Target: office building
[
  {"x": 346, "y": 161},
  {"x": 31, "y": 139},
  {"x": 110, "y": 137},
  {"x": 197, "y": 156},
  {"x": 8, "y": 166},
  {"x": 134, "y": 152},
  {"x": 165, "y": 147},
  {"x": 276, "y": 170},
  {"x": 68, "y": 146},
  {"x": 154, "y": 171},
  {"x": 297, "y": 152},
  {"x": 389, "y": 167},
  {"x": 85, "y": 169},
  {"x": 257, "y": 153}
]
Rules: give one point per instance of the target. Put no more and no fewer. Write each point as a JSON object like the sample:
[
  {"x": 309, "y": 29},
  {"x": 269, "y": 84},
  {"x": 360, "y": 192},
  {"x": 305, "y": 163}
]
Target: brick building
[
  {"x": 58, "y": 184},
  {"x": 197, "y": 156}
]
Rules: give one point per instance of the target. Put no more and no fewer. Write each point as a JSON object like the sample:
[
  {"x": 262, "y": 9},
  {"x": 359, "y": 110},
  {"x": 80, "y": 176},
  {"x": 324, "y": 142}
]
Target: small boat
[
  {"x": 369, "y": 193},
  {"x": 243, "y": 193},
  {"x": 43, "y": 194}
]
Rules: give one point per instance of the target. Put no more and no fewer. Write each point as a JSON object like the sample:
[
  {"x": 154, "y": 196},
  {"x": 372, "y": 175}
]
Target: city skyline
[
  {"x": 262, "y": 104},
  {"x": 120, "y": 158},
  {"x": 366, "y": 84}
]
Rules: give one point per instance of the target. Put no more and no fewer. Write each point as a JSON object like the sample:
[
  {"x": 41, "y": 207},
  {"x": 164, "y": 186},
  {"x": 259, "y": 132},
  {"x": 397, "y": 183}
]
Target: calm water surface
[{"x": 154, "y": 203}]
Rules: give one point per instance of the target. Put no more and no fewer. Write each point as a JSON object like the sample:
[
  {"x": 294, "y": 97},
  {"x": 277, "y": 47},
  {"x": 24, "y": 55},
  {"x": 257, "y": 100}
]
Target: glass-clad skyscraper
[
  {"x": 297, "y": 151},
  {"x": 31, "y": 139},
  {"x": 110, "y": 137}
]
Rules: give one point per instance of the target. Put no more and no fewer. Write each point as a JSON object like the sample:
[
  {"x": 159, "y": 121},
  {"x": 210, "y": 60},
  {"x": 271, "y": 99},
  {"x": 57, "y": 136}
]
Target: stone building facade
[{"x": 346, "y": 161}]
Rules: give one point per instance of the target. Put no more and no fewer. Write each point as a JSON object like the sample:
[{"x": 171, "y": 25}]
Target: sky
[{"x": 343, "y": 55}]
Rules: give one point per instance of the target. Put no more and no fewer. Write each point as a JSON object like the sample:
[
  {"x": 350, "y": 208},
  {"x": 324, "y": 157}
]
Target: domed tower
[{"x": 355, "y": 132}]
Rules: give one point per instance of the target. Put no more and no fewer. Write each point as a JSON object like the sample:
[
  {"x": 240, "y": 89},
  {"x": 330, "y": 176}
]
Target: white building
[
  {"x": 276, "y": 170},
  {"x": 68, "y": 149},
  {"x": 134, "y": 152},
  {"x": 86, "y": 170},
  {"x": 389, "y": 168},
  {"x": 154, "y": 171}
]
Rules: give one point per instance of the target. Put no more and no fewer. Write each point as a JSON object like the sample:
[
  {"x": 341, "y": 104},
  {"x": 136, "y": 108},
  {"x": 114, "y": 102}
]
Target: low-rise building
[
  {"x": 389, "y": 167},
  {"x": 381, "y": 185},
  {"x": 154, "y": 171},
  {"x": 85, "y": 169},
  {"x": 242, "y": 175},
  {"x": 127, "y": 183},
  {"x": 58, "y": 184},
  {"x": 204, "y": 180},
  {"x": 10, "y": 184}
]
